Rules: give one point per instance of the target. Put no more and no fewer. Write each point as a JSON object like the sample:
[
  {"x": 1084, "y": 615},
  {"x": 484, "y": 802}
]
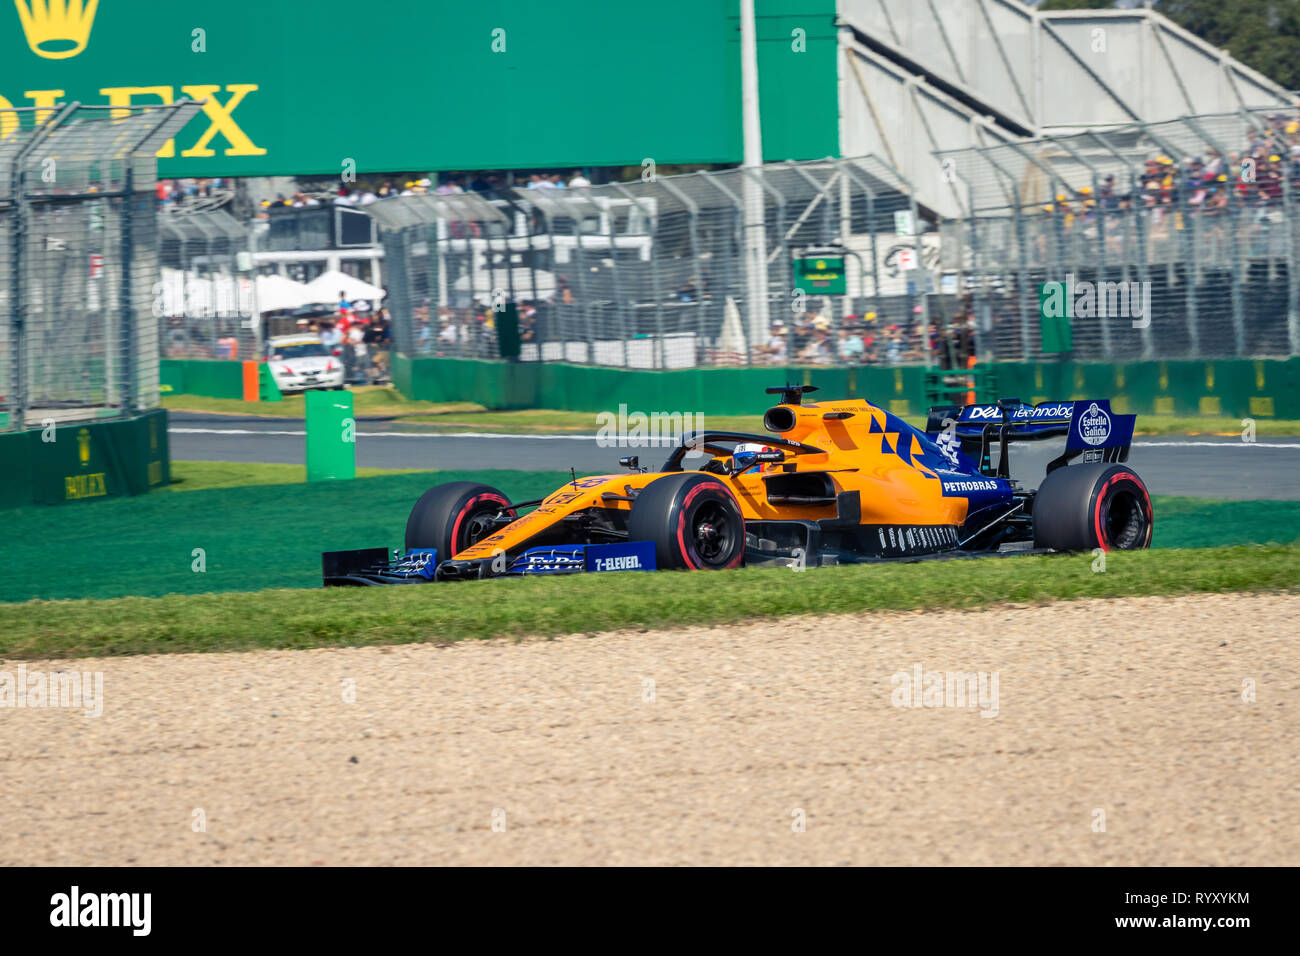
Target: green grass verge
[
  {"x": 251, "y": 537},
  {"x": 366, "y": 400},
  {"x": 257, "y": 530},
  {"x": 206, "y": 475},
  {"x": 590, "y": 603},
  {"x": 466, "y": 416}
]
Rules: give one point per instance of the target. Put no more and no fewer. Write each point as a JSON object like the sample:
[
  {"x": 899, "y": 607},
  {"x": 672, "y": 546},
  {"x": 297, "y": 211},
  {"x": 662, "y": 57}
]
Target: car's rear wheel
[
  {"x": 693, "y": 520},
  {"x": 453, "y": 516},
  {"x": 1097, "y": 505}
]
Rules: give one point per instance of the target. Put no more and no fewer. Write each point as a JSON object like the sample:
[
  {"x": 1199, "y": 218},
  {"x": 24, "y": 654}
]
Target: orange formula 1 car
[{"x": 834, "y": 482}]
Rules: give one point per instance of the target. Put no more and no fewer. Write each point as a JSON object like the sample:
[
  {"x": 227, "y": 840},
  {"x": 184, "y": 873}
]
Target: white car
[{"x": 302, "y": 362}]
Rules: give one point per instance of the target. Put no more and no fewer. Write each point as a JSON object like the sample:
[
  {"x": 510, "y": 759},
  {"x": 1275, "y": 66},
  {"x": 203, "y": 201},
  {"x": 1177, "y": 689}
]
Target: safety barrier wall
[
  {"x": 1263, "y": 388},
  {"x": 84, "y": 461},
  {"x": 214, "y": 379}
]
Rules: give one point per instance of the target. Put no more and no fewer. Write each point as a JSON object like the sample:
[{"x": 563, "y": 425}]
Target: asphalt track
[{"x": 1202, "y": 467}]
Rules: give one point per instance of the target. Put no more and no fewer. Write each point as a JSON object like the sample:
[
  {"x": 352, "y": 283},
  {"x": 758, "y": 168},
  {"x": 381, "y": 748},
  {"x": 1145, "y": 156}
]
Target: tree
[{"x": 1263, "y": 34}]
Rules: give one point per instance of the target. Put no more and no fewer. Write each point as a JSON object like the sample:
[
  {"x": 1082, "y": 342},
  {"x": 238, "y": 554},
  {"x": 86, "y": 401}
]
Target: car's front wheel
[
  {"x": 693, "y": 520},
  {"x": 453, "y": 516}
]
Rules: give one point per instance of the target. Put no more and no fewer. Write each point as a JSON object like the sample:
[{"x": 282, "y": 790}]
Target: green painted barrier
[
  {"x": 1254, "y": 388},
  {"x": 331, "y": 436},
  {"x": 213, "y": 379},
  {"x": 267, "y": 390},
  {"x": 83, "y": 461}
]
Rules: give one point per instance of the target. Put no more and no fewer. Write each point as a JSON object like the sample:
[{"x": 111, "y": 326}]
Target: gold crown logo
[{"x": 56, "y": 29}]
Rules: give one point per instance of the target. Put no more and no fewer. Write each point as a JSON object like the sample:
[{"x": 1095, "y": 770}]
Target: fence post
[
  {"x": 693, "y": 213},
  {"x": 620, "y": 322},
  {"x": 656, "y": 353},
  {"x": 1022, "y": 277},
  {"x": 127, "y": 293},
  {"x": 17, "y": 260}
]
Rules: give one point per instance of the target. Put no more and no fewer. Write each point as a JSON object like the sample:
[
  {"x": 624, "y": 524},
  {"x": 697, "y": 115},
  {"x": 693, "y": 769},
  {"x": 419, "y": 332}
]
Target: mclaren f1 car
[{"x": 833, "y": 482}]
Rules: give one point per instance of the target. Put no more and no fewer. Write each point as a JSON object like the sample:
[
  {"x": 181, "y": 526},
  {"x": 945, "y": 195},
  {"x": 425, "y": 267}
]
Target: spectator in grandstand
[
  {"x": 1106, "y": 193},
  {"x": 818, "y": 321},
  {"x": 849, "y": 347},
  {"x": 774, "y": 350},
  {"x": 578, "y": 181},
  {"x": 1214, "y": 167},
  {"x": 870, "y": 341},
  {"x": 355, "y": 354},
  {"x": 377, "y": 339},
  {"x": 331, "y": 337},
  {"x": 563, "y": 291},
  {"x": 817, "y": 351},
  {"x": 893, "y": 351},
  {"x": 447, "y": 335}
]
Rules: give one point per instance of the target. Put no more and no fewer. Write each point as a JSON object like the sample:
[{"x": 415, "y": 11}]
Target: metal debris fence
[
  {"x": 652, "y": 274},
  {"x": 1197, "y": 213},
  {"x": 79, "y": 261},
  {"x": 1193, "y": 219},
  {"x": 205, "y": 295}
]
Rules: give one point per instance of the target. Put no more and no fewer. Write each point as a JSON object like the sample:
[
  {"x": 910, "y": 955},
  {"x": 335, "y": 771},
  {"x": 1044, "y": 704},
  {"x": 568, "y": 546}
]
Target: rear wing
[{"x": 1089, "y": 427}]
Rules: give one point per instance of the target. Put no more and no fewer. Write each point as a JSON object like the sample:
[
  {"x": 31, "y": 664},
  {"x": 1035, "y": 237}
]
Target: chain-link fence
[
  {"x": 204, "y": 294},
  {"x": 78, "y": 261},
  {"x": 671, "y": 271},
  {"x": 1164, "y": 240}
]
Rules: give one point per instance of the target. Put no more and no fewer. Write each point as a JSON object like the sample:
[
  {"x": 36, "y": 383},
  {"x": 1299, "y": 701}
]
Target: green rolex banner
[
  {"x": 85, "y": 461},
  {"x": 275, "y": 79}
]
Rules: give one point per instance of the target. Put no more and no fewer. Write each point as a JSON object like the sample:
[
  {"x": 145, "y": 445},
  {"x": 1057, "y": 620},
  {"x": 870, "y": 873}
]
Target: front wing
[{"x": 372, "y": 566}]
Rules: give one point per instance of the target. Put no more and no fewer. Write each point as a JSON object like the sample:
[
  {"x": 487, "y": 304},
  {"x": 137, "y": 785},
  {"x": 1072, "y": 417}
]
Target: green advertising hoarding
[
  {"x": 84, "y": 461},
  {"x": 323, "y": 87},
  {"x": 820, "y": 275}
]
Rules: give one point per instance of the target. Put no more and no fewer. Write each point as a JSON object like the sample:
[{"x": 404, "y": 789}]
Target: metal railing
[
  {"x": 204, "y": 293},
  {"x": 667, "y": 272},
  {"x": 1195, "y": 219},
  {"x": 78, "y": 260}
]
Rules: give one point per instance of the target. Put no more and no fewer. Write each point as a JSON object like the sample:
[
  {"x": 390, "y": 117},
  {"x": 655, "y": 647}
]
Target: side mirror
[{"x": 631, "y": 462}]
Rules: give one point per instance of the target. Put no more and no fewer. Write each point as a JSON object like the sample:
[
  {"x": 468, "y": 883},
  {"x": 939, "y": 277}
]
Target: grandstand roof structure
[{"x": 919, "y": 81}]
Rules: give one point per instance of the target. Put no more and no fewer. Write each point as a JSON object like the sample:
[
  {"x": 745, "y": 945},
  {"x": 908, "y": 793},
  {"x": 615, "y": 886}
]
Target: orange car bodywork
[{"x": 868, "y": 450}]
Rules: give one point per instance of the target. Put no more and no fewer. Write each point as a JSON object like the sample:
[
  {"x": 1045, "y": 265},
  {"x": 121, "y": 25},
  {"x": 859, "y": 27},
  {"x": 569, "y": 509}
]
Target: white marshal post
[{"x": 755, "y": 227}]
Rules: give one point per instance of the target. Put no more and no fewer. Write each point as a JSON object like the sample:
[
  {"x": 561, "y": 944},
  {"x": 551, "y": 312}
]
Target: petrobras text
[{"x": 971, "y": 484}]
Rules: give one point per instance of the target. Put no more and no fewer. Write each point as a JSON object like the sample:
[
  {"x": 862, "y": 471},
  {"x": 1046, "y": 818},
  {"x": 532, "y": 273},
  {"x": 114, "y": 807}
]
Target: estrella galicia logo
[{"x": 1094, "y": 425}]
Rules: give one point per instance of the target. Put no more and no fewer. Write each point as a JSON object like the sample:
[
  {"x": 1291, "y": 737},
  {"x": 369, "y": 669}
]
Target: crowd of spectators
[
  {"x": 1207, "y": 183},
  {"x": 178, "y": 192},
  {"x": 483, "y": 183},
  {"x": 360, "y": 336},
  {"x": 812, "y": 338}
]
